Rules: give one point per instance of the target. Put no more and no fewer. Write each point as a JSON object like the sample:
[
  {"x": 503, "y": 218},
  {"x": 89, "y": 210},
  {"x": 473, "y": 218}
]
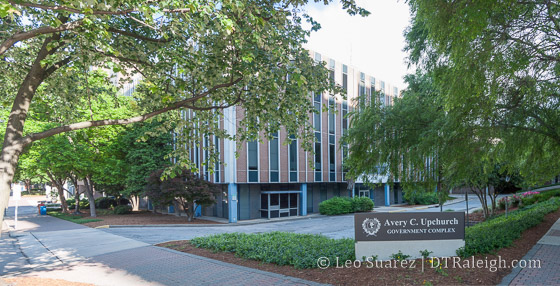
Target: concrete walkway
[
  {"x": 547, "y": 252},
  {"x": 49, "y": 247}
]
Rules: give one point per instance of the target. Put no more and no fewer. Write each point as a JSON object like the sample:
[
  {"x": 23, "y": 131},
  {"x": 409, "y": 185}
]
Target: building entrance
[{"x": 276, "y": 204}]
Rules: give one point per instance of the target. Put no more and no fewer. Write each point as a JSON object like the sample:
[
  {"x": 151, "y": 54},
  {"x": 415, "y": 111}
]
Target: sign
[
  {"x": 384, "y": 234},
  {"x": 409, "y": 226},
  {"x": 16, "y": 195}
]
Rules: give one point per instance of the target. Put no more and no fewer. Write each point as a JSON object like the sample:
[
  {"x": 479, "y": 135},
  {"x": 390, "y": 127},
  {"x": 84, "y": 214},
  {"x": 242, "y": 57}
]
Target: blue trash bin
[{"x": 43, "y": 210}]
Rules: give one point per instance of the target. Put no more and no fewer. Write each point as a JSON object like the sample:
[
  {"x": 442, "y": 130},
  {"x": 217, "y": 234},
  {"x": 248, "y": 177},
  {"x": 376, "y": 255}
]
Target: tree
[
  {"x": 496, "y": 64},
  {"x": 185, "y": 189},
  {"x": 403, "y": 141},
  {"x": 201, "y": 56}
]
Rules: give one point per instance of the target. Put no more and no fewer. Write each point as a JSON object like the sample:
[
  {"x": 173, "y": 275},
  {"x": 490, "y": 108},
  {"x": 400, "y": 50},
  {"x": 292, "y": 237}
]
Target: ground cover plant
[
  {"x": 501, "y": 231},
  {"x": 282, "y": 248}
]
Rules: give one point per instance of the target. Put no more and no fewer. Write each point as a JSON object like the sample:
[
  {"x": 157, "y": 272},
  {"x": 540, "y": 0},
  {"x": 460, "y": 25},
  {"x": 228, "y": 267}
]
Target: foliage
[
  {"x": 496, "y": 65},
  {"x": 425, "y": 253},
  {"x": 105, "y": 203},
  {"x": 362, "y": 204},
  {"x": 399, "y": 256},
  {"x": 336, "y": 206},
  {"x": 535, "y": 197},
  {"x": 185, "y": 189},
  {"x": 122, "y": 209},
  {"x": 72, "y": 218},
  {"x": 422, "y": 198},
  {"x": 500, "y": 232},
  {"x": 281, "y": 248},
  {"x": 84, "y": 203}
]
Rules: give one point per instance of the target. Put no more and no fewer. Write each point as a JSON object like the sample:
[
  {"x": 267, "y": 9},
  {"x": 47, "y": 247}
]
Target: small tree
[{"x": 186, "y": 189}]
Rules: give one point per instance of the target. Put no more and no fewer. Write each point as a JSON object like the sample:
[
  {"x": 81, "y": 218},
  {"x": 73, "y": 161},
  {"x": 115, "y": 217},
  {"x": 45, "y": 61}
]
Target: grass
[{"x": 72, "y": 218}]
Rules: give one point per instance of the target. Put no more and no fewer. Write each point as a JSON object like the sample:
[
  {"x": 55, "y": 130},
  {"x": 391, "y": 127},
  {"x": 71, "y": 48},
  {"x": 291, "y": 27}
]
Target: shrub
[
  {"x": 105, "y": 203},
  {"x": 123, "y": 202},
  {"x": 122, "y": 210},
  {"x": 422, "y": 198},
  {"x": 529, "y": 198},
  {"x": 282, "y": 248},
  {"x": 84, "y": 203},
  {"x": 336, "y": 206},
  {"x": 501, "y": 231},
  {"x": 362, "y": 204}
]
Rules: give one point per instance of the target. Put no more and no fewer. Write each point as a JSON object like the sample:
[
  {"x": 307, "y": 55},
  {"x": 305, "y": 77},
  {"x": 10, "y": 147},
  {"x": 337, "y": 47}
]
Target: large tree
[
  {"x": 497, "y": 65},
  {"x": 201, "y": 56}
]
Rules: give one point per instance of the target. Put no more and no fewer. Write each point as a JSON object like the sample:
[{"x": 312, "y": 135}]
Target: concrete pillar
[
  {"x": 303, "y": 203},
  {"x": 387, "y": 194},
  {"x": 354, "y": 190},
  {"x": 232, "y": 202}
]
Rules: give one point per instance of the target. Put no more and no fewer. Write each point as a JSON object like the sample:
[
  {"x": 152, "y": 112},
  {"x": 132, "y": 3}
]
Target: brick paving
[
  {"x": 547, "y": 252},
  {"x": 170, "y": 267}
]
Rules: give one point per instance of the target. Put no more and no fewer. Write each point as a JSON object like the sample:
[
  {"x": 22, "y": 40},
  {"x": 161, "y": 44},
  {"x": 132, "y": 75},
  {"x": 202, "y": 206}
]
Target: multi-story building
[{"x": 269, "y": 179}]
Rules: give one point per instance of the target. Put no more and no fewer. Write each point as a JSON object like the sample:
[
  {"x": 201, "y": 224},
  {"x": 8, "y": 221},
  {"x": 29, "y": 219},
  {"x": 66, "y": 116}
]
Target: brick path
[{"x": 547, "y": 251}]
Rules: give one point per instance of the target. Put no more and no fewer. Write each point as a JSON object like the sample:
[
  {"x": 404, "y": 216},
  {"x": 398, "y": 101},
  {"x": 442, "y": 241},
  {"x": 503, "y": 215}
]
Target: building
[{"x": 271, "y": 180}]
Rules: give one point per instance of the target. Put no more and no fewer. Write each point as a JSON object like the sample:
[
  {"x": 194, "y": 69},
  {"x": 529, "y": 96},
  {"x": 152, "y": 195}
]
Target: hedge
[
  {"x": 500, "y": 232},
  {"x": 540, "y": 197},
  {"x": 345, "y": 205},
  {"x": 282, "y": 248}
]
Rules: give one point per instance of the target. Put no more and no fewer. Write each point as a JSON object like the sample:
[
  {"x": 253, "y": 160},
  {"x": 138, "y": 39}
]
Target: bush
[
  {"x": 529, "y": 198},
  {"x": 336, "y": 206},
  {"x": 282, "y": 248},
  {"x": 501, "y": 231},
  {"x": 105, "y": 203},
  {"x": 122, "y": 210},
  {"x": 123, "y": 202},
  {"x": 362, "y": 204},
  {"x": 84, "y": 203},
  {"x": 422, "y": 198}
]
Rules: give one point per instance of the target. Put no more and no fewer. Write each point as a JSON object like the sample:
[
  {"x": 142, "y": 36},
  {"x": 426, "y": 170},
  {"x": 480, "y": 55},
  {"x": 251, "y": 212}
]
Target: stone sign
[{"x": 384, "y": 234}]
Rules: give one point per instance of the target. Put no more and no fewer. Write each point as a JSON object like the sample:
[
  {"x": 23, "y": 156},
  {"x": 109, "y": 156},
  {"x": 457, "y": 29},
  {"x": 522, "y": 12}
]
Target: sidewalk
[
  {"x": 547, "y": 251},
  {"x": 48, "y": 247}
]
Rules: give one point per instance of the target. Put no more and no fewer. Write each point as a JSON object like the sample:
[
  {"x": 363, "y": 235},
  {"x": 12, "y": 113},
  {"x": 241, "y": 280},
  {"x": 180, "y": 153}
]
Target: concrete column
[
  {"x": 232, "y": 202},
  {"x": 354, "y": 190},
  {"x": 387, "y": 194},
  {"x": 303, "y": 190}
]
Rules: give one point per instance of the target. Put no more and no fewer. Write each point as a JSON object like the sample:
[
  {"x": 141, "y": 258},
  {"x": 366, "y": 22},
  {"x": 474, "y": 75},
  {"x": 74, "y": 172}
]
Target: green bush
[
  {"x": 336, "y": 206},
  {"x": 282, "y": 248},
  {"x": 362, "y": 204},
  {"x": 541, "y": 197},
  {"x": 422, "y": 198},
  {"x": 72, "y": 218},
  {"x": 122, "y": 210},
  {"x": 84, "y": 203},
  {"x": 500, "y": 232},
  {"x": 105, "y": 203}
]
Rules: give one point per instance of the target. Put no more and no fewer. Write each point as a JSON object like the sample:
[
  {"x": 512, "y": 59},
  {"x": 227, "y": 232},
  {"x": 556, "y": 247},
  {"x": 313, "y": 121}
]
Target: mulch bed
[
  {"x": 141, "y": 218},
  {"x": 391, "y": 276},
  {"x": 479, "y": 216}
]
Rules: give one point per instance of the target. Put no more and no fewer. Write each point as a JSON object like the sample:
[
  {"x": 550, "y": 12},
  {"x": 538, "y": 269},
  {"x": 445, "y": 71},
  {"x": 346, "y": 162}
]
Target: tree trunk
[
  {"x": 63, "y": 203},
  {"x": 91, "y": 199},
  {"x": 135, "y": 201}
]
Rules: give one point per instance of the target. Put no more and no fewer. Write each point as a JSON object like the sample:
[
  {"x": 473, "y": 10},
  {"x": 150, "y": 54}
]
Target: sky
[{"x": 373, "y": 44}]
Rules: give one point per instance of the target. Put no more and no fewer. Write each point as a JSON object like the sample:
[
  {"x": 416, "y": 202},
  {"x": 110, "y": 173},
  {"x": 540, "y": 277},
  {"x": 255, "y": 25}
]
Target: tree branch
[
  {"x": 105, "y": 122},
  {"x": 22, "y": 36},
  {"x": 94, "y": 12},
  {"x": 136, "y": 36}
]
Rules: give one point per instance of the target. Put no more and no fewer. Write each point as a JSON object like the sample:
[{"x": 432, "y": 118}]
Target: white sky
[{"x": 373, "y": 44}]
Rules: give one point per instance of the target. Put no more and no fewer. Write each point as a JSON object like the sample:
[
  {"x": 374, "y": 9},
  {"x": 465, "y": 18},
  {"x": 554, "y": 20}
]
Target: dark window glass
[
  {"x": 274, "y": 176},
  {"x": 253, "y": 160},
  {"x": 274, "y": 200},
  {"x": 217, "y": 164},
  {"x": 345, "y": 82},
  {"x": 284, "y": 201},
  {"x": 317, "y": 156},
  {"x": 293, "y": 154},
  {"x": 273, "y": 157},
  {"x": 274, "y": 214},
  {"x": 293, "y": 176},
  {"x": 293, "y": 212},
  {"x": 317, "y": 117},
  {"x": 264, "y": 201},
  {"x": 332, "y": 116},
  {"x": 294, "y": 200},
  {"x": 317, "y": 97}
]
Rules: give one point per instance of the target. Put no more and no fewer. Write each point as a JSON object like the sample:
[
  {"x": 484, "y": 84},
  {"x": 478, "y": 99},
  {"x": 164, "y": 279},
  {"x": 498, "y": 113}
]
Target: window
[
  {"x": 206, "y": 159},
  {"x": 273, "y": 158},
  {"x": 253, "y": 161},
  {"x": 372, "y": 88},
  {"x": 331, "y": 71},
  {"x": 332, "y": 158},
  {"x": 317, "y": 57},
  {"x": 217, "y": 163},
  {"x": 361, "y": 94},
  {"x": 395, "y": 91},
  {"x": 345, "y": 78},
  {"x": 317, "y": 126},
  {"x": 293, "y": 160},
  {"x": 344, "y": 119}
]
